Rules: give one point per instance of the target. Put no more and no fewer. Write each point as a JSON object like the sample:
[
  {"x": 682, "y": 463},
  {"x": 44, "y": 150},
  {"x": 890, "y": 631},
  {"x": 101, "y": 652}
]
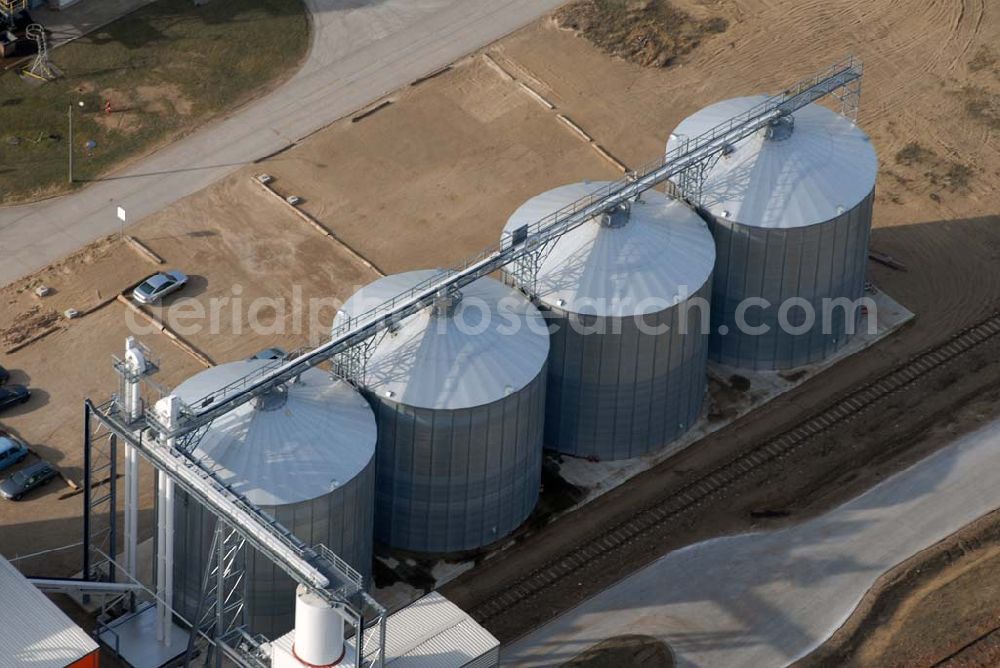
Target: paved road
[
  {"x": 766, "y": 599},
  {"x": 361, "y": 50}
]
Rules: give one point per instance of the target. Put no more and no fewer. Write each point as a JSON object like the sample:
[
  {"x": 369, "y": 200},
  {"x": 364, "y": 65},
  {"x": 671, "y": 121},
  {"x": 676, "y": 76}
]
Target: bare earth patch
[
  {"x": 646, "y": 32},
  {"x": 36, "y": 320}
]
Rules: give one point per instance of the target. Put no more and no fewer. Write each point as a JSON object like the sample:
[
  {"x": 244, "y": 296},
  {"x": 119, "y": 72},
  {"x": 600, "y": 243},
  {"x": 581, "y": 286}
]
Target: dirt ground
[
  {"x": 62, "y": 369},
  {"x": 430, "y": 179},
  {"x": 271, "y": 278}
]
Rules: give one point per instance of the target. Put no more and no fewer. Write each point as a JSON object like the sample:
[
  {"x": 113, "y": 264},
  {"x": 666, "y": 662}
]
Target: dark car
[
  {"x": 11, "y": 395},
  {"x": 26, "y": 479},
  {"x": 4, "y": 375},
  {"x": 12, "y": 451},
  {"x": 158, "y": 286}
]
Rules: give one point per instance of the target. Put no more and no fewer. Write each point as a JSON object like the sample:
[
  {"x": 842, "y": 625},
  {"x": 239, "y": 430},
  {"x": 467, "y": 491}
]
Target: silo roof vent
[
  {"x": 616, "y": 217},
  {"x": 780, "y": 128},
  {"x": 446, "y": 302},
  {"x": 272, "y": 400}
]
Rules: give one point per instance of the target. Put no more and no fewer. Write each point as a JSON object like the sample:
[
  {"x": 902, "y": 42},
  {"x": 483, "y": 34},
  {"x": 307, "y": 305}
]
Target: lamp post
[{"x": 70, "y": 115}]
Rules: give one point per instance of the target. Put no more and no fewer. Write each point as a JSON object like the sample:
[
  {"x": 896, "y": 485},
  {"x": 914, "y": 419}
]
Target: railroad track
[{"x": 729, "y": 473}]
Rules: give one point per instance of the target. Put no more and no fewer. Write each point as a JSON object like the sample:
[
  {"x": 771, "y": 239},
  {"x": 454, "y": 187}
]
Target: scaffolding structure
[
  {"x": 41, "y": 67},
  {"x": 165, "y": 432}
]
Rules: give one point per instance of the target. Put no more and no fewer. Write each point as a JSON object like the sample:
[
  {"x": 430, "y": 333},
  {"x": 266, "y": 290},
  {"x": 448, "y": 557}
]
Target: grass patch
[
  {"x": 646, "y": 32},
  {"x": 982, "y": 105},
  {"x": 913, "y": 154},
  {"x": 940, "y": 173},
  {"x": 984, "y": 59},
  {"x": 166, "y": 69}
]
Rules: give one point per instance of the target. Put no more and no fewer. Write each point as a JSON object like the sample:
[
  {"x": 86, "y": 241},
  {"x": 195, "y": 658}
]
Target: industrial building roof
[
  {"x": 279, "y": 450},
  {"x": 661, "y": 255},
  {"x": 826, "y": 166},
  {"x": 433, "y": 632},
  {"x": 33, "y": 631},
  {"x": 494, "y": 343}
]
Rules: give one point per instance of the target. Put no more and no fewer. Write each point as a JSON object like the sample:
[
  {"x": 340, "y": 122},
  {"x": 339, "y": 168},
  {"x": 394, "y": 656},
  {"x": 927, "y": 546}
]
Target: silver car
[{"x": 158, "y": 286}]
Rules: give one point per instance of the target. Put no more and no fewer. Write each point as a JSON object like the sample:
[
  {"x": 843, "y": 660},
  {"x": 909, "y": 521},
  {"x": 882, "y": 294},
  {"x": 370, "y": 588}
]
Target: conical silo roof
[
  {"x": 661, "y": 255},
  {"x": 313, "y": 437},
  {"x": 493, "y": 343},
  {"x": 826, "y": 165}
]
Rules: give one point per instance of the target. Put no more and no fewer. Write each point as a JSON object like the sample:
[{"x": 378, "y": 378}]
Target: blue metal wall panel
[
  {"x": 815, "y": 263},
  {"x": 455, "y": 480},
  {"x": 623, "y": 393}
]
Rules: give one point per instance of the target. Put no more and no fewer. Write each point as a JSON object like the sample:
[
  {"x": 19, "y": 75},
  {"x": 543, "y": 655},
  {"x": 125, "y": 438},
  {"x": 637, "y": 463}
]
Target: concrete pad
[{"x": 767, "y": 599}]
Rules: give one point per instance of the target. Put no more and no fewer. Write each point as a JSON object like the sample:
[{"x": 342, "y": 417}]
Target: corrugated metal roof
[
  {"x": 661, "y": 255},
  {"x": 33, "y": 631},
  {"x": 433, "y": 632},
  {"x": 825, "y": 167},
  {"x": 494, "y": 343},
  {"x": 321, "y": 437}
]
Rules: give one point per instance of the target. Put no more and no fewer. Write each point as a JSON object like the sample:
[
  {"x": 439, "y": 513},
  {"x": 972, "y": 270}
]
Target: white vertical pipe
[
  {"x": 131, "y": 509},
  {"x": 161, "y": 527},
  {"x": 168, "y": 409},
  {"x": 168, "y": 562},
  {"x": 135, "y": 366}
]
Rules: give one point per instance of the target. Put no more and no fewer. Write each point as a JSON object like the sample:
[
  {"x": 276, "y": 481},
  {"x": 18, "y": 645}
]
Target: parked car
[
  {"x": 11, "y": 395},
  {"x": 158, "y": 286},
  {"x": 12, "y": 451},
  {"x": 27, "y": 479},
  {"x": 269, "y": 354},
  {"x": 4, "y": 375}
]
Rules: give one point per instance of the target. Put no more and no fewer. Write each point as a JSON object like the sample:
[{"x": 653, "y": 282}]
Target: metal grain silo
[
  {"x": 621, "y": 294},
  {"x": 459, "y": 393},
  {"x": 306, "y": 455},
  {"x": 790, "y": 209}
]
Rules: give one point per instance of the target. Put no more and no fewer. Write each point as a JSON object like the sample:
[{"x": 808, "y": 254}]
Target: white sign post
[{"x": 121, "y": 217}]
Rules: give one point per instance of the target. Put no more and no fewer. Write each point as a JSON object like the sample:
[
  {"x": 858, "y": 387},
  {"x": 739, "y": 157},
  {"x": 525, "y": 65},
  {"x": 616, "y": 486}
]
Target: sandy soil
[
  {"x": 81, "y": 281},
  {"x": 250, "y": 260},
  {"x": 63, "y": 369},
  {"x": 432, "y": 178}
]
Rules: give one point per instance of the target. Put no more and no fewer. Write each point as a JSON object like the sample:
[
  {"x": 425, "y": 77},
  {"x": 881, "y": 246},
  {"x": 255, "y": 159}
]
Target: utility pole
[
  {"x": 69, "y": 113},
  {"x": 70, "y": 144}
]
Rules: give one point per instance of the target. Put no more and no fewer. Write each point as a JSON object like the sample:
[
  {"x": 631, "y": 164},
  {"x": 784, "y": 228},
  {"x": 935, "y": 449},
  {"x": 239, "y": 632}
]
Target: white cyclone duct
[
  {"x": 459, "y": 392},
  {"x": 319, "y": 630},
  {"x": 305, "y": 454},
  {"x": 790, "y": 209},
  {"x": 624, "y": 296}
]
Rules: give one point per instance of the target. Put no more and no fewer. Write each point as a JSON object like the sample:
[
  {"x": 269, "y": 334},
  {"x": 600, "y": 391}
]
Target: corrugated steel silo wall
[
  {"x": 620, "y": 395},
  {"x": 453, "y": 480},
  {"x": 342, "y": 520},
  {"x": 826, "y": 260}
]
